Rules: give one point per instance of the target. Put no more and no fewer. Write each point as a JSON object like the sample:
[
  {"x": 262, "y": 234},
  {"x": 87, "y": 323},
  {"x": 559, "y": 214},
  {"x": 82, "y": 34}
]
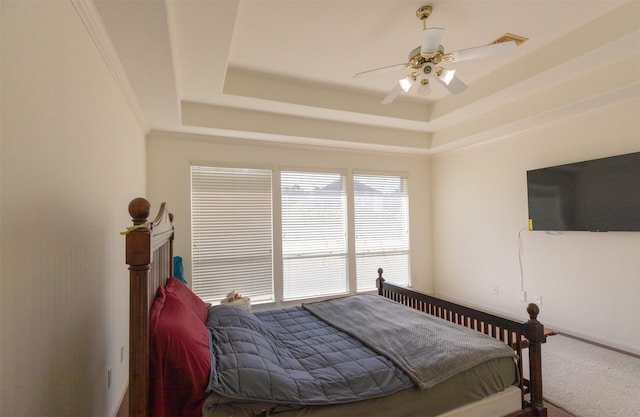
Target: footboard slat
[{"x": 513, "y": 333}]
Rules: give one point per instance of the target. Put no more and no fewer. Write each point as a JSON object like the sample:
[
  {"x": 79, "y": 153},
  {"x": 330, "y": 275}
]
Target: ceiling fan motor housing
[{"x": 428, "y": 69}]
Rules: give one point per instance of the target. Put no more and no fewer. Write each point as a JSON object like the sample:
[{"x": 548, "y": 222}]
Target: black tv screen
[{"x": 598, "y": 195}]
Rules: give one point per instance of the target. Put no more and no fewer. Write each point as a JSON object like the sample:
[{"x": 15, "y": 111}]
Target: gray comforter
[
  {"x": 430, "y": 350},
  {"x": 291, "y": 357},
  {"x": 322, "y": 353}
]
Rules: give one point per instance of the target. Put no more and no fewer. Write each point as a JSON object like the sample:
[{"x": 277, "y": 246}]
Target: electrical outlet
[
  {"x": 495, "y": 290},
  {"x": 121, "y": 354},
  {"x": 522, "y": 296},
  {"x": 538, "y": 300},
  {"x": 109, "y": 378}
]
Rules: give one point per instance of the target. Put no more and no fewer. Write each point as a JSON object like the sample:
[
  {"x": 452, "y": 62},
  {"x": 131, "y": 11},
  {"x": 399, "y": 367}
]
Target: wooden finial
[
  {"x": 380, "y": 273},
  {"x": 139, "y": 209},
  {"x": 533, "y": 311}
]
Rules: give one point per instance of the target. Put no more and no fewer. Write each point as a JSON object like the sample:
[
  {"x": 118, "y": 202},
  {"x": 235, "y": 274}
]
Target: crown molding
[{"x": 93, "y": 22}]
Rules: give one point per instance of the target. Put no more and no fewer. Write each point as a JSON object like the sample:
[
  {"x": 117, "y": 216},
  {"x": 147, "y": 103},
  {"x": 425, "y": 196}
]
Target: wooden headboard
[{"x": 149, "y": 254}]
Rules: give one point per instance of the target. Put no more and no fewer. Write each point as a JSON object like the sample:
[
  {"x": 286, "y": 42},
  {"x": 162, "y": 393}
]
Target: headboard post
[
  {"x": 149, "y": 247},
  {"x": 138, "y": 255}
]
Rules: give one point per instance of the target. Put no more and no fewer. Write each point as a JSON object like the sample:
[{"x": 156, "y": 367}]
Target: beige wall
[
  {"x": 589, "y": 282},
  {"x": 170, "y": 155},
  {"x": 73, "y": 155},
  {"x": 72, "y": 158}
]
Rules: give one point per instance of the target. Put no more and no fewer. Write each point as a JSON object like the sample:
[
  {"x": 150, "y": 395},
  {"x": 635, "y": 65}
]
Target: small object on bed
[
  {"x": 235, "y": 300},
  {"x": 232, "y": 296}
]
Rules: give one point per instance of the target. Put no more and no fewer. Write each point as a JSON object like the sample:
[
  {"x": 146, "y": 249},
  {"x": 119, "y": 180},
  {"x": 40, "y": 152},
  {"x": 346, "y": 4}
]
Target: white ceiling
[{"x": 281, "y": 70}]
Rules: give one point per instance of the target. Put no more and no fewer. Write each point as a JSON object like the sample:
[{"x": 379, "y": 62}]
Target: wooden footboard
[{"x": 515, "y": 334}]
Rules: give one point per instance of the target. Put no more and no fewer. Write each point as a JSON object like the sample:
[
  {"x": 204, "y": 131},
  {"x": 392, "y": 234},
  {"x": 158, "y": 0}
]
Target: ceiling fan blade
[
  {"x": 446, "y": 75},
  {"x": 393, "y": 94},
  {"x": 379, "y": 70},
  {"x": 431, "y": 40},
  {"x": 483, "y": 51},
  {"x": 452, "y": 83}
]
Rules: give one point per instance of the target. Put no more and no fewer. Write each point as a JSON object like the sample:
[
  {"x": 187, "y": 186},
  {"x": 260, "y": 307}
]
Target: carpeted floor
[{"x": 588, "y": 380}]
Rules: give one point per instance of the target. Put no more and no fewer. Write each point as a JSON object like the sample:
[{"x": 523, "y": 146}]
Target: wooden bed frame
[{"x": 149, "y": 254}]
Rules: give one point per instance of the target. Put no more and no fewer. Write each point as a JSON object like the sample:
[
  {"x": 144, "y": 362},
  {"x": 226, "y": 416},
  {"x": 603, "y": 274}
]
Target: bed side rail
[
  {"x": 516, "y": 334},
  {"x": 508, "y": 331}
]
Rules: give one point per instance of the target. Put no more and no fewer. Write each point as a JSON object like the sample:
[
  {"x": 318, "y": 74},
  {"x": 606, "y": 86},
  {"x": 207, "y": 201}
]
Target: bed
[{"x": 197, "y": 378}]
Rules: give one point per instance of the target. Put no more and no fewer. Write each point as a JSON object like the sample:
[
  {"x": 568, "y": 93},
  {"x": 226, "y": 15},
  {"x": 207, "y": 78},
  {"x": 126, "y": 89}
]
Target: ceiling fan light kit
[
  {"x": 406, "y": 83},
  {"x": 424, "y": 60}
]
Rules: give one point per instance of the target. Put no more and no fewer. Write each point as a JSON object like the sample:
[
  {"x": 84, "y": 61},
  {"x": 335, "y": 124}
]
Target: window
[
  {"x": 231, "y": 217},
  {"x": 233, "y": 222},
  {"x": 382, "y": 228},
  {"x": 314, "y": 241}
]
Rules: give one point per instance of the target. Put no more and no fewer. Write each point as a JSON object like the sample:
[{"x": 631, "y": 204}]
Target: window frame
[
  {"x": 406, "y": 177},
  {"x": 345, "y": 175},
  {"x": 276, "y": 197},
  {"x": 273, "y": 217}
]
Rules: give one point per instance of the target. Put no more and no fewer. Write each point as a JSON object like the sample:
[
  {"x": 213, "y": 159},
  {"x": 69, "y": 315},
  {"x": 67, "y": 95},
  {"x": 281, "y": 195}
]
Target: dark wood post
[
  {"x": 534, "y": 332},
  {"x": 138, "y": 254},
  {"x": 379, "y": 281}
]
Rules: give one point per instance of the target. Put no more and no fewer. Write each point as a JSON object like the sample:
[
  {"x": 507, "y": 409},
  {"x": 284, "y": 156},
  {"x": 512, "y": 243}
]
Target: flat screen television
[{"x": 599, "y": 195}]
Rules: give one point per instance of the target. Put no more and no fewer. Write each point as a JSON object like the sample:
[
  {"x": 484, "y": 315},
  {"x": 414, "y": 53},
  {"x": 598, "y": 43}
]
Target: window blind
[
  {"x": 231, "y": 215},
  {"x": 314, "y": 242},
  {"x": 381, "y": 221}
]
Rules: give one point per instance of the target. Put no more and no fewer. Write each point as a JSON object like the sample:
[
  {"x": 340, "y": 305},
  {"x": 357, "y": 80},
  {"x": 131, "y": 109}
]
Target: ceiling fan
[{"x": 424, "y": 61}]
